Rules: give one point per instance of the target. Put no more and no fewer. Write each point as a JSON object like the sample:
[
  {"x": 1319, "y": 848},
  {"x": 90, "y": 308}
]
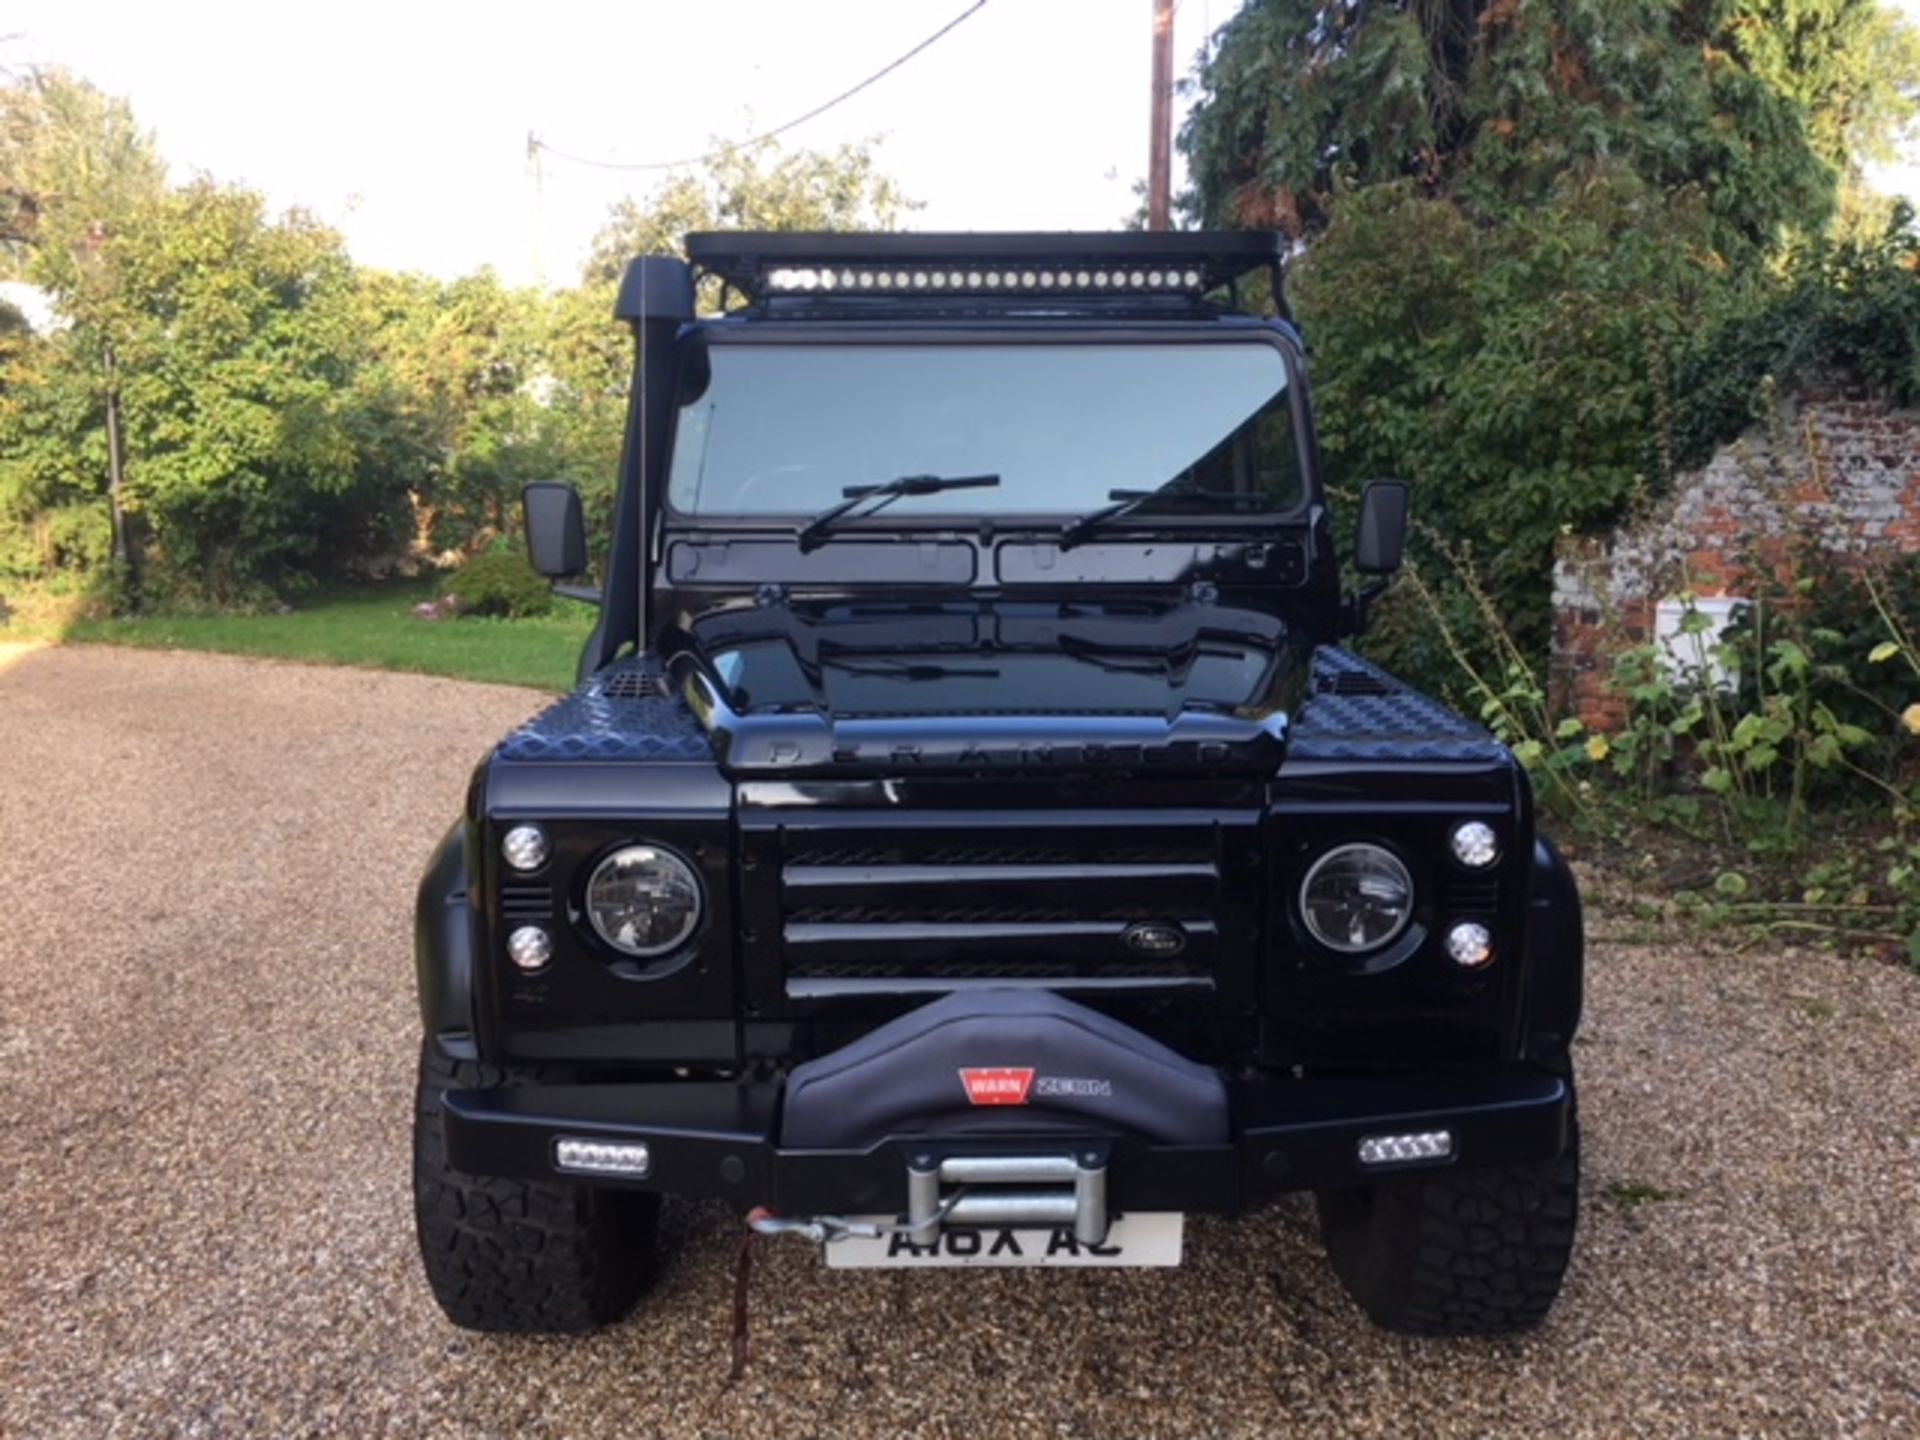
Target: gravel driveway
[{"x": 207, "y": 1031}]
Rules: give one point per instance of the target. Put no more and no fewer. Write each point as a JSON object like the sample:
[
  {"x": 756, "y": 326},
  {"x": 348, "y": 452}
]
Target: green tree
[
  {"x": 452, "y": 373},
  {"x": 758, "y": 187},
  {"x": 1761, "y": 104},
  {"x": 587, "y": 366},
  {"x": 1519, "y": 219},
  {"x": 234, "y": 340},
  {"x": 73, "y": 164},
  {"x": 53, "y": 515}
]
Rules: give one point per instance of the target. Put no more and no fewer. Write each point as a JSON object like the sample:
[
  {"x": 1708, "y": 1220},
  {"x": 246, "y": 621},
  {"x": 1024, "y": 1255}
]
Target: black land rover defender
[{"x": 968, "y": 841}]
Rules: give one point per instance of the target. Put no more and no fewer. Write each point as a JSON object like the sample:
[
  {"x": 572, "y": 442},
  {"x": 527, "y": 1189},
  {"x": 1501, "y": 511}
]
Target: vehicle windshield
[{"x": 783, "y": 430}]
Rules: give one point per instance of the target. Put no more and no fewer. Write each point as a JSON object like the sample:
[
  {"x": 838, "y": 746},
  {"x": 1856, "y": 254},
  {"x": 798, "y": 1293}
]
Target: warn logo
[{"x": 996, "y": 1084}]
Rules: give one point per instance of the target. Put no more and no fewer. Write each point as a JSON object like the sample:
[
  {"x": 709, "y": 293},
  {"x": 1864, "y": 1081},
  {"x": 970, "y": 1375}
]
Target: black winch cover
[{"x": 1002, "y": 1061}]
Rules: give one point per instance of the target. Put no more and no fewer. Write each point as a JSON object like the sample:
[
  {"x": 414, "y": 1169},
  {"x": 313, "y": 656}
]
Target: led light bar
[
  {"x": 927, "y": 266},
  {"x": 887, "y": 279},
  {"x": 1406, "y": 1149},
  {"x": 602, "y": 1157}
]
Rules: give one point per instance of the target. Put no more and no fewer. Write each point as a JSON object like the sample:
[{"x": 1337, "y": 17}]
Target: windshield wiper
[
  {"x": 875, "y": 498},
  {"x": 1144, "y": 659},
  {"x": 1125, "y": 502}
]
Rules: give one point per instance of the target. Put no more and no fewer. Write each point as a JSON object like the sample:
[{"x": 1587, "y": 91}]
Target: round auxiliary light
[
  {"x": 644, "y": 900},
  {"x": 1137, "y": 280},
  {"x": 525, "y": 847},
  {"x": 866, "y": 279},
  {"x": 530, "y": 948},
  {"x": 1357, "y": 898},
  {"x": 1192, "y": 278},
  {"x": 939, "y": 279},
  {"x": 1101, "y": 280},
  {"x": 1470, "y": 944},
  {"x": 902, "y": 279},
  {"x": 1082, "y": 280},
  {"x": 1474, "y": 844}
]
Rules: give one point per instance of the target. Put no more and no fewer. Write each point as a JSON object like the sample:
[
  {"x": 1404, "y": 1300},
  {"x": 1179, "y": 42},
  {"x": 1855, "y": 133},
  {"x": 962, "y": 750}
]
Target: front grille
[
  {"x": 964, "y": 970},
  {"x": 872, "y": 903},
  {"x": 962, "y": 853},
  {"x": 1006, "y": 914}
]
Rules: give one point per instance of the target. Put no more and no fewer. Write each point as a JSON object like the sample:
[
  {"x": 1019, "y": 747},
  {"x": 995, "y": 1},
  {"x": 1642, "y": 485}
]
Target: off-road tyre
[
  {"x": 533, "y": 1257},
  {"x": 1470, "y": 1252}
]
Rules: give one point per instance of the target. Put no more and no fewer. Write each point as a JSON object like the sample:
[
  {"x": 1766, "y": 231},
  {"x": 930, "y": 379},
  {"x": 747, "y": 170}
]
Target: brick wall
[{"x": 1836, "y": 468}]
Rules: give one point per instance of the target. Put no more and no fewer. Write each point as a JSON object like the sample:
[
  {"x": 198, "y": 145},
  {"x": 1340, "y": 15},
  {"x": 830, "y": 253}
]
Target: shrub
[{"x": 500, "y": 582}]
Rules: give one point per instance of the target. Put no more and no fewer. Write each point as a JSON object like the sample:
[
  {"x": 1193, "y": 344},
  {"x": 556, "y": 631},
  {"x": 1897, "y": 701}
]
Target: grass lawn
[{"x": 374, "y": 626}]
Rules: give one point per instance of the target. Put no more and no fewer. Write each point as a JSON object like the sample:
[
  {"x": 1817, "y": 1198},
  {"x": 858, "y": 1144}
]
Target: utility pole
[
  {"x": 1160, "y": 149},
  {"x": 537, "y": 227}
]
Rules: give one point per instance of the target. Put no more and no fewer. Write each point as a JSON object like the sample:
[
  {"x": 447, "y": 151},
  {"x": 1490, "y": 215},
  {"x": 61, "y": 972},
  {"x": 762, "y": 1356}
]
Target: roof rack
[{"x": 822, "y": 264}]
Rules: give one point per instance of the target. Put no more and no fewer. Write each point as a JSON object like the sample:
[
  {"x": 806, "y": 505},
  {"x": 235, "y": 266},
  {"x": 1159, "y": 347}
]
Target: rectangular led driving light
[
  {"x": 602, "y": 1157},
  {"x": 1402, "y": 1149}
]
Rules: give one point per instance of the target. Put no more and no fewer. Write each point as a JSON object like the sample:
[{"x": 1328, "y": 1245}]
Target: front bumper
[{"x": 719, "y": 1140}]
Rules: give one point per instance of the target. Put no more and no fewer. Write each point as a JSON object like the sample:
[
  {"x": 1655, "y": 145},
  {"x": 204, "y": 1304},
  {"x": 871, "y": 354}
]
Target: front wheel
[
  {"x": 526, "y": 1256},
  {"x": 1473, "y": 1252}
]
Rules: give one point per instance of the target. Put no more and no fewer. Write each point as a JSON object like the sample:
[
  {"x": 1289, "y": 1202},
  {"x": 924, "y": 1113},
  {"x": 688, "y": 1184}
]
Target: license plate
[{"x": 1150, "y": 1239}]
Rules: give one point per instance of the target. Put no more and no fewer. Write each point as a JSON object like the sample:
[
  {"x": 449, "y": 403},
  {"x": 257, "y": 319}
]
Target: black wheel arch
[
  {"x": 1556, "y": 955},
  {"x": 443, "y": 949}
]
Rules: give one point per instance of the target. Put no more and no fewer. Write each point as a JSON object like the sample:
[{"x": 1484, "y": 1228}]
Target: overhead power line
[{"x": 535, "y": 143}]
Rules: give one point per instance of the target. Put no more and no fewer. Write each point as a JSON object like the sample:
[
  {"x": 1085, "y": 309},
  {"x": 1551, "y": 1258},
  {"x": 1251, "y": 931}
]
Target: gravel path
[{"x": 207, "y": 1035}]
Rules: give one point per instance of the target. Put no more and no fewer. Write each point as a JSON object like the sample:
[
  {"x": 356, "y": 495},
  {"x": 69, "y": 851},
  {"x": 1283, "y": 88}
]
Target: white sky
[{"x": 405, "y": 124}]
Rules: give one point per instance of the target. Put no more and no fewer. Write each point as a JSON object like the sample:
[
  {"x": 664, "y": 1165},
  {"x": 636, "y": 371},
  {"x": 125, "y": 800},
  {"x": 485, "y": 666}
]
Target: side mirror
[
  {"x": 1382, "y": 542},
  {"x": 556, "y": 529}
]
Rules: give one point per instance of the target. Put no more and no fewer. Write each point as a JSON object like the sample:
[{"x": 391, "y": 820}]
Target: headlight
[
  {"x": 1356, "y": 898},
  {"x": 643, "y": 900}
]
